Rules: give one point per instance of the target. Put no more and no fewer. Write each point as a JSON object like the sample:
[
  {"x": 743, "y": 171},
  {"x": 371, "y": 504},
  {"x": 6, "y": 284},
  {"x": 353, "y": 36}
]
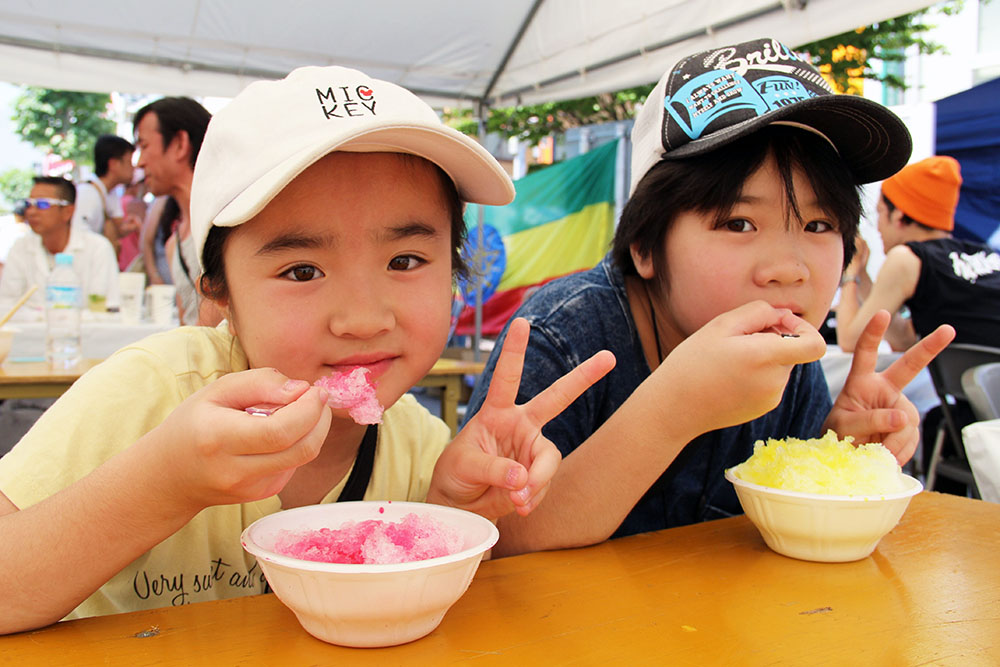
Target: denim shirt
[{"x": 578, "y": 315}]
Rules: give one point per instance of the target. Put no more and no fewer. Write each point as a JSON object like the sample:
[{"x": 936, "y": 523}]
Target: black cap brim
[{"x": 872, "y": 140}]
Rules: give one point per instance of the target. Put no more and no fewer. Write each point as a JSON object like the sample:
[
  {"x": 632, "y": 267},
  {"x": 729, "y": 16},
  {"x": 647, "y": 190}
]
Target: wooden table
[
  {"x": 709, "y": 594},
  {"x": 36, "y": 380},
  {"x": 447, "y": 374}
]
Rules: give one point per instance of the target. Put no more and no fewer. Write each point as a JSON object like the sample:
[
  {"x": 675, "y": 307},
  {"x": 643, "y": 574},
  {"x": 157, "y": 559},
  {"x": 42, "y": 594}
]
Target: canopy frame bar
[
  {"x": 187, "y": 65},
  {"x": 514, "y": 43},
  {"x": 778, "y": 5}
]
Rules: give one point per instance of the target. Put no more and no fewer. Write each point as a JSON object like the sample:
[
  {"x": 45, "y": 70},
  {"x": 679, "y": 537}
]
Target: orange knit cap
[{"x": 927, "y": 191}]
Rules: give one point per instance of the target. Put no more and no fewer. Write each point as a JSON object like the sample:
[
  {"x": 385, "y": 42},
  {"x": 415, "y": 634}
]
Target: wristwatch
[{"x": 849, "y": 279}]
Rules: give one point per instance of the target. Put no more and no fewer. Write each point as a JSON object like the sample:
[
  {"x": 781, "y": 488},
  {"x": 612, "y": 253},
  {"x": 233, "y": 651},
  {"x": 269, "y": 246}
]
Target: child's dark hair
[
  {"x": 712, "y": 183},
  {"x": 169, "y": 214},
  {"x": 213, "y": 279},
  {"x": 176, "y": 114},
  {"x": 109, "y": 146}
]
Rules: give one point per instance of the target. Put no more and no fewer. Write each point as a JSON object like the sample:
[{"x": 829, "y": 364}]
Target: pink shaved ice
[
  {"x": 373, "y": 541},
  {"x": 355, "y": 392}
]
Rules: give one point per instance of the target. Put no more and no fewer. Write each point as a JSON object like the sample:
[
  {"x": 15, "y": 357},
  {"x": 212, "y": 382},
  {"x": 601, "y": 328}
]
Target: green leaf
[
  {"x": 886, "y": 40},
  {"x": 64, "y": 122}
]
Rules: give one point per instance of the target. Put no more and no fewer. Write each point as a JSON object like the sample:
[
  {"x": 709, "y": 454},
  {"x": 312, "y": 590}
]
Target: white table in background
[
  {"x": 100, "y": 338},
  {"x": 837, "y": 364}
]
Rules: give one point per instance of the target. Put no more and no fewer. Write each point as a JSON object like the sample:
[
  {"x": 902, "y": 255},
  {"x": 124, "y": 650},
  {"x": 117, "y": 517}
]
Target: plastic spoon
[{"x": 20, "y": 302}]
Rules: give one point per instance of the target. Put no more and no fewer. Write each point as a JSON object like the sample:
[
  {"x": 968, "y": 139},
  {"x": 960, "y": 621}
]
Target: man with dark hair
[
  {"x": 96, "y": 204},
  {"x": 49, "y": 212},
  {"x": 168, "y": 135}
]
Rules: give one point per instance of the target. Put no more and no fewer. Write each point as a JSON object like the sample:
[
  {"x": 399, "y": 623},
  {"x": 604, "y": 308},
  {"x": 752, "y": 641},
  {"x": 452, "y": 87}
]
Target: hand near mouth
[
  {"x": 736, "y": 367},
  {"x": 209, "y": 447}
]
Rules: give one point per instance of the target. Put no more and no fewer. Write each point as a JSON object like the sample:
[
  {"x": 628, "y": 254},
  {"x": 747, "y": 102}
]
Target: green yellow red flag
[{"x": 561, "y": 221}]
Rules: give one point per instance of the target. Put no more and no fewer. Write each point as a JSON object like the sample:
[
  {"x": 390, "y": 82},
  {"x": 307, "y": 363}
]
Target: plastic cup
[
  {"x": 160, "y": 303},
  {"x": 131, "y": 286},
  {"x": 97, "y": 303}
]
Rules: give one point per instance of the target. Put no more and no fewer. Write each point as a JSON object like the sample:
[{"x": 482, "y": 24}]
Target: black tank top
[{"x": 959, "y": 285}]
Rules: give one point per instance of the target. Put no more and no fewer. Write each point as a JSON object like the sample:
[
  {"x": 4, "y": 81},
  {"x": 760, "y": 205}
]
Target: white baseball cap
[{"x": 273, "y": 130}]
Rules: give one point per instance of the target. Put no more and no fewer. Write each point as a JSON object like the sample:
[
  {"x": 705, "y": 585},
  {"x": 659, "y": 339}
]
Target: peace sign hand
[
  {"x": 871, "y": 407},
  {"x": 500, "y": 461}
]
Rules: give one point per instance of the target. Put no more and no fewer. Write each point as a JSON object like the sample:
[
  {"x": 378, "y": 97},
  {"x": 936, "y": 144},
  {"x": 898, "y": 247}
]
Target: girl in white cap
[
  {"x": 743, "y": 213},
  {"x": 327, "y": 213}
]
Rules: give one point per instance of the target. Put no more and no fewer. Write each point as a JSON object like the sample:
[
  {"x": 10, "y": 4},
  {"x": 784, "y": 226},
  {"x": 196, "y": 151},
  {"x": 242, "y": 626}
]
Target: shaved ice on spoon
[{"x": 354, "y": 392}]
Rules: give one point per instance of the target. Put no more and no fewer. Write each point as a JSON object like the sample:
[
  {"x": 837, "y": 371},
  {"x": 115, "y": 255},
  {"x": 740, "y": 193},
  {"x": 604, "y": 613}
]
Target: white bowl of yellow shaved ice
[{"x": 823, "y": 499}]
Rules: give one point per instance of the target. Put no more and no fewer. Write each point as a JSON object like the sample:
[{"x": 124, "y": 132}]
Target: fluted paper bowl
[
  {"x": 820, "y": 527},
  {"x": 368, "y": 605}
]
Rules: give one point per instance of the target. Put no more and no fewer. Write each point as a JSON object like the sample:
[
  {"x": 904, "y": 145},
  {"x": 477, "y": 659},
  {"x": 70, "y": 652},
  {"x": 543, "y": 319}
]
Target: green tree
[
  {"x": 14, "y": 184},
  {"x": 62, "y": 121},
  {"x": 532, "y": 123},
  {"x": 885, "y": 40},
  {"x": 848, "y": 55}
]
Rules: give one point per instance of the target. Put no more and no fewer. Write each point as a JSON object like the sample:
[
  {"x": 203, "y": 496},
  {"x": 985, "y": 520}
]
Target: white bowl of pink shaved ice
[{"x": 347, "y": 571}]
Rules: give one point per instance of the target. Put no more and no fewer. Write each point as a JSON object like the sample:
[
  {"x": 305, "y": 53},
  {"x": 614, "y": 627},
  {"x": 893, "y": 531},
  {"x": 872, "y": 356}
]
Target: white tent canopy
[{"x": 449, "y": 51}]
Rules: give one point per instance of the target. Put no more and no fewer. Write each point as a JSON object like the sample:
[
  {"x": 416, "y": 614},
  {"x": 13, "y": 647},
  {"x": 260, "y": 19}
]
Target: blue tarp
[{"x": 968, "y": 129}]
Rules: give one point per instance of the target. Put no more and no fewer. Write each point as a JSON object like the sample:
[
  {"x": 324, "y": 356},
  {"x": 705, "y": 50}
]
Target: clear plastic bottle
[{"x": 63, "y": 304}]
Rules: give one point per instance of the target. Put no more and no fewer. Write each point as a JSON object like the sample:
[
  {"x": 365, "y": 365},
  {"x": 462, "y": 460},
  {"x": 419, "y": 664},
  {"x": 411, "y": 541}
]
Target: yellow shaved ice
[{"x": 822, "y": 465}]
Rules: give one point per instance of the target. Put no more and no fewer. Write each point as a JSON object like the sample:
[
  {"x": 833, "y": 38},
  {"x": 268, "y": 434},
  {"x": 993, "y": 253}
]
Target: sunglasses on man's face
[{"x": 41, "y": 203}]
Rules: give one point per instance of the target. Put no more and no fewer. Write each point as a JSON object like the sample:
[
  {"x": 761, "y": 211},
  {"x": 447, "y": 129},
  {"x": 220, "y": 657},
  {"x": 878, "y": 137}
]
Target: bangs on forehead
[
  {"x": 712, "y": 183},
  {"x": 787, "y": 165},
  {"x": 213, "y": 279}
]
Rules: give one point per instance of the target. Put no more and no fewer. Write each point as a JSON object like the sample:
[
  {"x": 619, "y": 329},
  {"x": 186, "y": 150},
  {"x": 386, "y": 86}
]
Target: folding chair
[
  {"x": 982, "y": 388},
  {"x": 982, "y": 438},
  {"x": 946, "y": 373}
]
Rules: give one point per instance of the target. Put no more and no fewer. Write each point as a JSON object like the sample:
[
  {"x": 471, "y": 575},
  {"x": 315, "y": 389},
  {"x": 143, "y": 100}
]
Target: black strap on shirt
[
  {"x": 184, "y": 264},
  {"x": 361, "y": 474}
]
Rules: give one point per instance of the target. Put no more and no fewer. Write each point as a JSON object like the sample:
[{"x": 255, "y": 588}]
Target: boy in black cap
[{"x": 743, "y": 213}]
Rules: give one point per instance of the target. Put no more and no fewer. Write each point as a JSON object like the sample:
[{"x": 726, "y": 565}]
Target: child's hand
[
  {"x": 130, "y": 223},
  {"x": 735, "y": 368},
  {"x": 213, "y": 452},
  {"x": 500, "y": 461},
  {"x": 871, "y": 407}
]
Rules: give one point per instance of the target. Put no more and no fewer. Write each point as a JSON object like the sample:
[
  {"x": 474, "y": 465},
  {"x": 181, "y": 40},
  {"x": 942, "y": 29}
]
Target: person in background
[
  {"x": 134, "y": 207},
  {"x": 10, "y": 231},
  {"x": 48, "y": 210},
  {"x": 97, "y": 205},
  {"x": 745, "y": 203},
  {"x": 928, "y": 278},
  {"x": 169, "y": 134},
  {"x": 933, "y": 277},
  {"x": 157, "y": 227}
]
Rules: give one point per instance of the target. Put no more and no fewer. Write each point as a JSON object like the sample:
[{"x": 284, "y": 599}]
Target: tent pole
[
  {"x": 623, "y": 159},
  {"x": 523, "y": 28},
  {"x": 480, "y": 255}
]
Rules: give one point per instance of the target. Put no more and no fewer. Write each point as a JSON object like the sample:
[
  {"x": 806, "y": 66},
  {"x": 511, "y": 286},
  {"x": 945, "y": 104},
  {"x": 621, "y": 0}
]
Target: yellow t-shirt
[{"x": 134, "y": 390}]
